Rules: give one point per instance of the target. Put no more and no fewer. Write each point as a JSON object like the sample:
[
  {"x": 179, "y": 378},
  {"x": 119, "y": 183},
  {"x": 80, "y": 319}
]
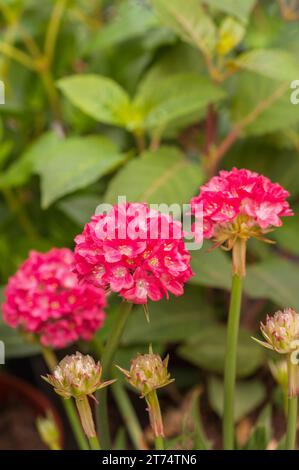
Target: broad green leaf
[
  {"x": 277, "y": 112},
  {"x": 206, "y": 349},
  {"x": 248, "y": 396},
  {"x": 164, "y": 99},
  {"x": 80, "y": 208},
  {"x": 99, "y": 97},
  {"x": 241, "y": 9},
  {"x": 75, "y": 163},
  {"x": 262, "y": 432},
  {"x": 276, "y": 64},
  {"x": 188, "y": 19},
  {"x": 164, "y": 176},
  {"x": 171, "y": 320},
  {"x": 15, "y": 344},
  {"x": 19, "y": 172},
  {"x": 276, "y": 279},
  {"x": 131, "y": 19},
  {"x": 288, "y": 237},
  {"x": 211, "y": 268}
]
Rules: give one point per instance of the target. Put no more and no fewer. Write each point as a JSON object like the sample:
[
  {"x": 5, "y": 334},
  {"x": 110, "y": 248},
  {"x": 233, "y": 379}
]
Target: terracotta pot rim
[{"x": 33, "y": 397}]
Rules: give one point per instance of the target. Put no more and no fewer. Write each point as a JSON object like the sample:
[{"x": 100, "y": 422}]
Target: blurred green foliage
[{"x": 148, "y": 98}]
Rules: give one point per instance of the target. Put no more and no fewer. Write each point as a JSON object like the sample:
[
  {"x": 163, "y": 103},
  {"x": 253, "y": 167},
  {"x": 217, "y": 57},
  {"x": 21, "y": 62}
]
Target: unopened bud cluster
[
  {"x": 281, "y": 331},
  {"x": 148, "y": 372},
  {"x": 77, "y": 376}
]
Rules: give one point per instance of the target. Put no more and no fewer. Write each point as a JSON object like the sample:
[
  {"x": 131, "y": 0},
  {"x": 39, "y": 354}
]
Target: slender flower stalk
[
  {"x": 292, "y": 407},
  {"x": 231, "y": 362},
  {"x": 107, "y": 360},
  {"x": 124, "y": 404},
  {"x": 281, "y": 332},
  {"x": 70, "y": 410},
  {"x": 147, "y": 374},
  {"x": 230, "y": 209},
  {"x": 79, "y": 377},
  {"x": 129, "y": 415}
]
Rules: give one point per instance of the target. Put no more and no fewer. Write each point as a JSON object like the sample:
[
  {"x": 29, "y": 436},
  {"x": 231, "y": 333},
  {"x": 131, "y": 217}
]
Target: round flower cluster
[
  {"x": 77, "y": 376},
  {"x": 44, "y": 297},
  {"x": 135, "y": 251},
  {"x": 239, "y": 203}
]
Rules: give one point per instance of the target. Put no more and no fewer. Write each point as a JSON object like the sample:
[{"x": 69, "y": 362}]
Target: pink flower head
[
  {"x": 240, "y": 202},
  {"x": 44, "y": 297},
  {"x": 135, "y": 251}
]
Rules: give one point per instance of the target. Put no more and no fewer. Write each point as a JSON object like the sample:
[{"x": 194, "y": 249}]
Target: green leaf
[
  {"x": 211, "y": 268},
  {"x": 248, "y": 396},
  {"x": 251, "y": 90},
  {"x": 171, "y": 320},
  {"x": 74, "y": 163},
  {"x": 287, "y": 238},
  {"x": 164, "y": 176},
  {"x": 80, "y": 208},
  {"x": 99, "y": 97},
  {"x": 131, "y": 19},
  {"x": 15, "y": 344},
  {"x": 164, "y": 99},
  {"x": 262, "y": 432},
  {"x": 206, "y": 349},
  {"x": 276, "y": 279},
  {"x": 276, "y": 64},
  {"x": 188, "y": 19},
  {"x": 21, "y": 170},
  {"x": 240, "y": 9}
]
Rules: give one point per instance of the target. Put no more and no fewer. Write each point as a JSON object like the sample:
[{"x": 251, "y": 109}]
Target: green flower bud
[
  {"x": 48, "y": 431},
  {"x": 77, "y": 376},
  {"x": 147, "y": 373},
  {"x": 281, "y": 331}
]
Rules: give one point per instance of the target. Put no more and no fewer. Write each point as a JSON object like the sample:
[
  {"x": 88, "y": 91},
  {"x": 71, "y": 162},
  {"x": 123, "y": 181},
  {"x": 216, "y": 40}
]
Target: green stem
[
  {"x": 19, "y": 56},
  {"x": 94, "y": 443},
  {"x": 292, "y": 423},
  {"x": 68, "y": 405},
  {"x": 128, "y": 414},
  {"x": 53, "y": 28},
  {"x": 292, "y": 405},
  {"x": 155, "y": 416},
  {"x": 107, "y": 359},
  {"x": 159, "y": 443},
  {"x": 231, "y": 361},
  {"x": 87, "y": 422},
  {"x": 53, "y": 97}
]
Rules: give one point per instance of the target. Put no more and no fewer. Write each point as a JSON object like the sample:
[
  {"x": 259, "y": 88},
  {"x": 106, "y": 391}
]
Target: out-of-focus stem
[
  {"x": 129, "y": 416},
  {"x": 53, "y": 29},
  {"x": 68, "y": 405},
  {"x": 107, "y": 359}
]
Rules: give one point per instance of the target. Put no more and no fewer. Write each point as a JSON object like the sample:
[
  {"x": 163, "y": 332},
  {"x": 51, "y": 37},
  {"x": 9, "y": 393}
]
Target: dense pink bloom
[
  {"x": 241, "y": 195},
  {"x": 134, "y": 251},
  {"x": 44, "y": 297}
]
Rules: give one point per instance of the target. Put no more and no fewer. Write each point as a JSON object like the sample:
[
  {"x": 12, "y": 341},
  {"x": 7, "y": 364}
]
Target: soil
[{"x": 17, "y": 428}]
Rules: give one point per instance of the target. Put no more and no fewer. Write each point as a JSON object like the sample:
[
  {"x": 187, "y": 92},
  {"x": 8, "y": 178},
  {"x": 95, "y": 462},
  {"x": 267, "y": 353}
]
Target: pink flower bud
[{"x": 77, "y": 376}]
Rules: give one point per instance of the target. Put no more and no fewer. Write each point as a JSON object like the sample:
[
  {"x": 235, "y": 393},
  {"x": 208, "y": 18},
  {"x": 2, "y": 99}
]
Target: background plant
[{"x": 147, "y": 99}]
